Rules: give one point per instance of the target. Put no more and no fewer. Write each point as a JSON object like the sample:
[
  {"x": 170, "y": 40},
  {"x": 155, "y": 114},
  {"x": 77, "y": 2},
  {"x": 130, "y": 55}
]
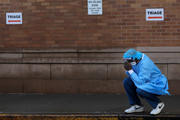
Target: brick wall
[{"x": 66, "y": 24}]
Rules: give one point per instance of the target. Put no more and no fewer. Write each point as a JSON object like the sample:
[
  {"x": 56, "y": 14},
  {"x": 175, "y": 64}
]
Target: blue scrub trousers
[{"x": 133, "y": 92}]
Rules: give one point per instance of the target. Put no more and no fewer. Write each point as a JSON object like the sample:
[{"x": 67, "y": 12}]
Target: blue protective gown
[{"x": 148, "y": 77}]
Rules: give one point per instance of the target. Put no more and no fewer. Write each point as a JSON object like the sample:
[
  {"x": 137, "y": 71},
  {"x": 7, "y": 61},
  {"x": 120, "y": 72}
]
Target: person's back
[{"x": 150, "y": 76}]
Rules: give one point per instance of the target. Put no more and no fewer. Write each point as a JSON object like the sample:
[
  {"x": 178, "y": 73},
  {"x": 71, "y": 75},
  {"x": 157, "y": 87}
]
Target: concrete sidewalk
[{"x": 76, "y": 104}]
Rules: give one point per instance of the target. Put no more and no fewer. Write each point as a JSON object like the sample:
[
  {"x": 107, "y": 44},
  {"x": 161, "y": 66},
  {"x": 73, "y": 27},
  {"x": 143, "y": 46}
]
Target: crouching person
[{"x": 144, "y": 80}]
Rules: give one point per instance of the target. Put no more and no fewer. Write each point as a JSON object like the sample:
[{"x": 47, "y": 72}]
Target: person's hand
[{"x": 127, "y": 66}]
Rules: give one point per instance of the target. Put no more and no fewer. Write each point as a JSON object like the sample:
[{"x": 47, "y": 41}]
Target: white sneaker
[
  {"x": 158, "y": 109},
  {"x": 134, "y": 108}
]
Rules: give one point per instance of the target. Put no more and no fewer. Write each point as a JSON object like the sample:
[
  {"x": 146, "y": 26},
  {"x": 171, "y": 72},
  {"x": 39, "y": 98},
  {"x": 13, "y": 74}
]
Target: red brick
[{"x": 66, "y": 23}]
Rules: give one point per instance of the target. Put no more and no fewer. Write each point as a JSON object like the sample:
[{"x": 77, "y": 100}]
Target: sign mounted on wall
[
  {"x": 13, "y": 18},
  {"x": 95, "y": 7},
  {"x": 155, "y": 14}
]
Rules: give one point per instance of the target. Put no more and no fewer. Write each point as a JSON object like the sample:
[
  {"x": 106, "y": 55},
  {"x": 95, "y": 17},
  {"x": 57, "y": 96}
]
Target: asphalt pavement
[{"x": 77, "y": 103}]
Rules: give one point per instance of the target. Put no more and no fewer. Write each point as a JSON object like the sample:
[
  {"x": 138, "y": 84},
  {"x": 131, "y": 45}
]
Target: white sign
[
  {"x": 13, "y": 18},
  {"x": 155, "y": 14},
  {"x": 94, "y": 7}
]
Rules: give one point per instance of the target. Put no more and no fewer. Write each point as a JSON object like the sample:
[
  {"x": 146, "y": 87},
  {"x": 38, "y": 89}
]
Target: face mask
[{"x": 133, "y": 63}]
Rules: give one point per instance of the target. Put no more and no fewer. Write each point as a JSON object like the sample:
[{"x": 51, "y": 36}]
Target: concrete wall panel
[
  {"x": 165, "y": 57},
  {"x": 100, "y": 86},
  {"x": 81, "y": 86},
  {"x": 100, "y": 57},
  {"x": 50, "y": 58},
  {"x": 24, "y": 71},
  {"x": 34, "y": 86},
  {"x": 116, "y": 72},
  {"x": 86, "y": 71},
  {"x": 61, "y": 86},
  {"x": 11, "y": 58},
  {"x": 163, "y": 68},
  {"x": 11, "y": 86},
  {"x": 174, "y": 72},
  {"x": 174, "y": 88},
  {"x": 79, "y": 71}
]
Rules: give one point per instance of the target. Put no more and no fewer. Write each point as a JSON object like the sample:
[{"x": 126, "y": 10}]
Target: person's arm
[{"x": 142, "y": 77}]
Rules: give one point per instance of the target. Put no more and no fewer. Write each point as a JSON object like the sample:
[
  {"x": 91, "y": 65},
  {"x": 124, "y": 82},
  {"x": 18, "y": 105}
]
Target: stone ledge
[
  {"x": 157, "y": 54},
  {"x": 106, "y": 50},
  {"x": 76, "y": 58}
]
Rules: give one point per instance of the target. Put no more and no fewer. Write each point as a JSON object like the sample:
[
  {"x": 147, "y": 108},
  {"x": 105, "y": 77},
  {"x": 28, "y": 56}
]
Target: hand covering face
[{"x": 127, "y": 66}]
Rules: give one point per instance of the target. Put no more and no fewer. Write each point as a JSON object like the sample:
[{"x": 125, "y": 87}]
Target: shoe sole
[{"x": 137, "y": 111}]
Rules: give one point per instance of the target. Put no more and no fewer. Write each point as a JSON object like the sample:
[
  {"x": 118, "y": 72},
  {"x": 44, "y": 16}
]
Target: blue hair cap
[{"x": 132, "y": 54}]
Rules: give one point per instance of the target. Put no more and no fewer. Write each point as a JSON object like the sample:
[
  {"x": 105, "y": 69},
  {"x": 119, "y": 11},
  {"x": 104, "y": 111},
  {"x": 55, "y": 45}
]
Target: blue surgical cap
[{"x": 132, "y": 54}]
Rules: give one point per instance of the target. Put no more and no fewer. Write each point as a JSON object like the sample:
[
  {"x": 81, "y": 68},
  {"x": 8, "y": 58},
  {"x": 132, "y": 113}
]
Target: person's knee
[
  {"x": 126, "y": 82},
  {"x": 140, "y": 92}
]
